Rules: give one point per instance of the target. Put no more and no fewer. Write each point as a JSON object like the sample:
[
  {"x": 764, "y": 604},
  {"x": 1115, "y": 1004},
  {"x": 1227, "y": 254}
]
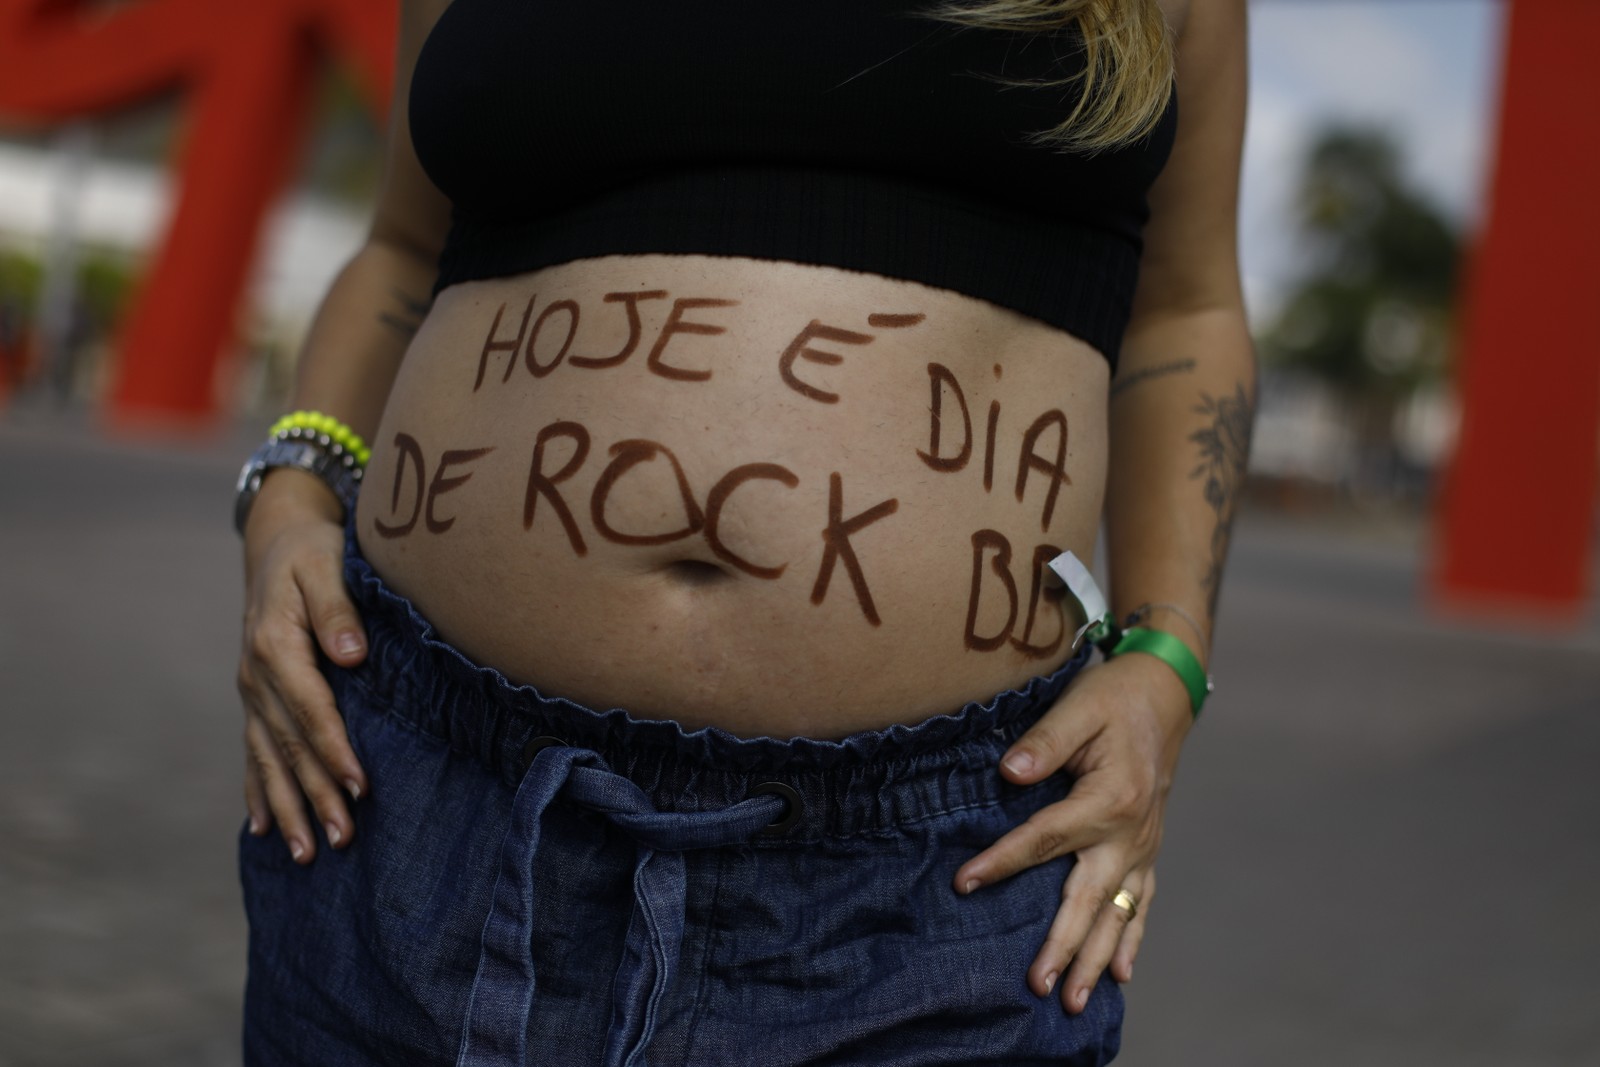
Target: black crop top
[{"x": 851, "y": 133}]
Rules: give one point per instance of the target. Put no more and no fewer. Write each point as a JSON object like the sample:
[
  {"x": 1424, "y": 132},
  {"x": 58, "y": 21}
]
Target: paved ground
[{"x": 1384, "y": 849}]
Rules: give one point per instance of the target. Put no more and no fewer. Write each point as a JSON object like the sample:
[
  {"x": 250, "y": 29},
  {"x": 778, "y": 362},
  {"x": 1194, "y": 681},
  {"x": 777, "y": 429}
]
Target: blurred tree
[
  {"x": 19, "y": 289},
  {"x": 1371, "y": 313},
  {"x": 105, "y": 280},
  {"x": 20, "y": 277}
]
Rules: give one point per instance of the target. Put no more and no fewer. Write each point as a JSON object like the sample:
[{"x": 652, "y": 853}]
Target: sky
[{"x": 1427, "y": 70}]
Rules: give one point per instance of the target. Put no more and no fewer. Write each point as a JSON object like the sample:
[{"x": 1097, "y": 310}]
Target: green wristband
[{"x": 1175, "y": 654}]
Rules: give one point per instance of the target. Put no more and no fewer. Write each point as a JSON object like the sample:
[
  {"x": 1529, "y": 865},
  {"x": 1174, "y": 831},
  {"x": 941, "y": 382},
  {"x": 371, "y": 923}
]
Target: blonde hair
[{"x": 1128, "y": 63}]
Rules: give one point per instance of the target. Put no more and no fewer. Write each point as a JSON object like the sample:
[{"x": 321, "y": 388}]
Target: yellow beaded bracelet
[
  {"x": 328, "y": 426},
  {"x": 310, "y": 441}
]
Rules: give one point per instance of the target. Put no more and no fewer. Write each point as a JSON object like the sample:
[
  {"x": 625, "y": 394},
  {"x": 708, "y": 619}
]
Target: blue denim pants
[{"x": 536, "y": 882}]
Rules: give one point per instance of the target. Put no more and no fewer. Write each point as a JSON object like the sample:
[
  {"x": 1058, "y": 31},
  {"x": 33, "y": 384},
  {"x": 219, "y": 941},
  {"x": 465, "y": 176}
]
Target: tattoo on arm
[
  {"x": 1224, "y": 453},
  {"x": 1177, "y": 366},
  {"x": 409, "y": 316}
]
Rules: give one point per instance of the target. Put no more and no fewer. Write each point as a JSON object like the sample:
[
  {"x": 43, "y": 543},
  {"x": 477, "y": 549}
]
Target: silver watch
[{"x": 305, "y": 450}]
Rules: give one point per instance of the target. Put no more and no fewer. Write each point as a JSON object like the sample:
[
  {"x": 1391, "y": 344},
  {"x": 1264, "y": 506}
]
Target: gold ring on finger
[{"x": 1127, "y": 902}]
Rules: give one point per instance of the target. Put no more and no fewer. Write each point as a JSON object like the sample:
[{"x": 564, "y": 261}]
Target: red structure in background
[
  {"x": 246, "y": 71},
  {"x": 1516, "y": 517}
]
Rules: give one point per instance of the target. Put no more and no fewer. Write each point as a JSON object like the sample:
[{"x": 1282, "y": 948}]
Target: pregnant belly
[{"x": 778, "y": 499}]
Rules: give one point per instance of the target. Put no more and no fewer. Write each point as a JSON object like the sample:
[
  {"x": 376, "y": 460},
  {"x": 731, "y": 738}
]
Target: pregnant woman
[{"x": 688, "y": 683}]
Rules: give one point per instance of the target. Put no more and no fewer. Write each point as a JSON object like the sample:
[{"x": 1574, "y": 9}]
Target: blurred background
[{"x": 1384, "y": 845}]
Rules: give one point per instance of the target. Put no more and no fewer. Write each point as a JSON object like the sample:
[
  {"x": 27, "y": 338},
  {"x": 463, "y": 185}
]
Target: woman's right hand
[{"x": 296, "y": 747}]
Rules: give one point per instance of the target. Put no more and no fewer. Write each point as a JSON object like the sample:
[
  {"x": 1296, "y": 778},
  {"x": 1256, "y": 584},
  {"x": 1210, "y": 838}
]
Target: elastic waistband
[{"x": 861, "y": 783}]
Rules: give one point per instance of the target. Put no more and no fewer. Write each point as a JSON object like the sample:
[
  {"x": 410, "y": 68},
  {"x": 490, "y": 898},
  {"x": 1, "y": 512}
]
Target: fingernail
[
  {"x": 296, "y": 849},
  {"x": 1050, "y": 981},
  {"x": 1018, "y": 763},
  {"x": 1130, "y": 973},
  {"x": 255, "y": 826},
  {"x": 1080, "y": 998},
  {"x": 353, "y": 788},
  {"x": 347, "y": 643},
  {"x": 971, "y": 884},
  {"x": 334, "y": 836}
]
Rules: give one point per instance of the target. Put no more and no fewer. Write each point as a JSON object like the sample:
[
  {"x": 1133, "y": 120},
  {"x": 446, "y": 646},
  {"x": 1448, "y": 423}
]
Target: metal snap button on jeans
[
  {"x": 792, "y": 806},
  {"x": 536, "y": 746}
]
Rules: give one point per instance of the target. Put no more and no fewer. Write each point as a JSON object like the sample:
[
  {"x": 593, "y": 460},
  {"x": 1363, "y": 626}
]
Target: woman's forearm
[
  {"x": 360, "y": 333},
  {"x": 1182, "y": 407},
  {"x": 351, "y": 355}
]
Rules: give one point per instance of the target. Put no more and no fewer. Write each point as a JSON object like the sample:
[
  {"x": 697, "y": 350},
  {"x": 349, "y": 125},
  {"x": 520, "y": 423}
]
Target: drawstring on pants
[{"x": 504, "y": 991}]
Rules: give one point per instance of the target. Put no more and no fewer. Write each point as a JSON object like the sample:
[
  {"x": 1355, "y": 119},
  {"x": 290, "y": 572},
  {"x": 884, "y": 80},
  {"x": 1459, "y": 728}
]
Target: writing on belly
[{"x": 544, "y": 342}]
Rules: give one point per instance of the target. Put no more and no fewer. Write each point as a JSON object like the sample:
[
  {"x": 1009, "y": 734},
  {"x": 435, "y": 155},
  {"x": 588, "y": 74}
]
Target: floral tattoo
[{"x": 1224, "y": 453}]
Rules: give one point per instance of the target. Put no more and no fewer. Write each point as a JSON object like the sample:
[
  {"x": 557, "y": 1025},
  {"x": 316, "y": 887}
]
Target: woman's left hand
[{"x": 1117, "y": 729}]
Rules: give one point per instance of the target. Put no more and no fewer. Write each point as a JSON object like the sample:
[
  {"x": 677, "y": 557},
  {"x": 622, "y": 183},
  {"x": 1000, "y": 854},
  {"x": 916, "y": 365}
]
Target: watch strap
[{"x": 336, "y": 467}]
